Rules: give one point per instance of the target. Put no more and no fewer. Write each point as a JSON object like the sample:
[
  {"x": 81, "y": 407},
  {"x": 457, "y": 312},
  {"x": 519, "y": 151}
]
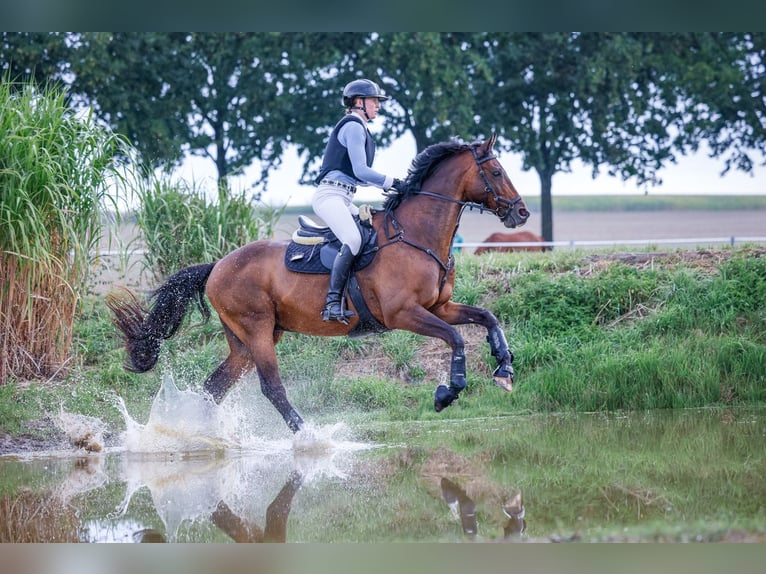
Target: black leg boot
[{"x": 341, "y": 269}]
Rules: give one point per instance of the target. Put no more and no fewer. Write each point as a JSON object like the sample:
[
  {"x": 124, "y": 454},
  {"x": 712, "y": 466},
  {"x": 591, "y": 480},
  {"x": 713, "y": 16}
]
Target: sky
[{"x": 692, "y": 175}]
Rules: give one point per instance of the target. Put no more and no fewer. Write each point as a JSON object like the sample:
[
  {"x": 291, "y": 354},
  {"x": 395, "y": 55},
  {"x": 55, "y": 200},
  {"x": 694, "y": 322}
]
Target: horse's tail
[{"x": 144, "y": 330}]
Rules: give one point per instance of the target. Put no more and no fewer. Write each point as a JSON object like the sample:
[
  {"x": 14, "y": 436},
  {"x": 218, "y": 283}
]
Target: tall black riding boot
[{"x": 341, "y": 269}]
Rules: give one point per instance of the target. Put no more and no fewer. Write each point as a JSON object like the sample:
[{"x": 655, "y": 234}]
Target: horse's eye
[{"x": 496, "y": 173}]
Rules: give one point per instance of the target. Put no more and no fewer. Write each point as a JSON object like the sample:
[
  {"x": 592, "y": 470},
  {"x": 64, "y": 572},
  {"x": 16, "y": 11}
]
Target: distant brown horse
[
  {"x": 518, "y": 237},
  {"x": 408, "y": 285}
]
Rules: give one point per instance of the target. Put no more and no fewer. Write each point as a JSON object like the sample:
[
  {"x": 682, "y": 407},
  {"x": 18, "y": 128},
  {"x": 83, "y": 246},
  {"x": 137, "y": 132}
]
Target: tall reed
[{"x": 54, "y": 170}]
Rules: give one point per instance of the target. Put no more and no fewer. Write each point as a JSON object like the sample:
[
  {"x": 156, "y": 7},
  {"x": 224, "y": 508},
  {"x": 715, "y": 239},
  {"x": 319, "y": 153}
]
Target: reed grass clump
[
  {"x": 55, "y": 167},
  {"x": 180, "y": 226}
]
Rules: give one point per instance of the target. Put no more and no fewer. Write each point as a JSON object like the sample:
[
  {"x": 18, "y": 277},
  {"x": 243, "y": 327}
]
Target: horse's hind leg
[
  {"x": 273, "y": 389},
  {"x": 242, "y": 358},
  {"x": 264, "y": 337},
  {"x": 231, "y": 369}
]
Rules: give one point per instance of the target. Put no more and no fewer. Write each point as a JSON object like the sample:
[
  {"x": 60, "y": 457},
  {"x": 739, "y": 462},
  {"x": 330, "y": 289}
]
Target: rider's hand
[{"x": 397, "y": 185}]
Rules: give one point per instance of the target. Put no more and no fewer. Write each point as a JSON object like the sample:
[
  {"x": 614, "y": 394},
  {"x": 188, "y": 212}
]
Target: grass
[
  {"x": 589, "y": 334},
  {"x": 174, "y": 210}
]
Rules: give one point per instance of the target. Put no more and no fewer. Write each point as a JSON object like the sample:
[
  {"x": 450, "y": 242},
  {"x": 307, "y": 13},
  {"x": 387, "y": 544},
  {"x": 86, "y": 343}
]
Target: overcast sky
[{"x": 692, "y": 175}]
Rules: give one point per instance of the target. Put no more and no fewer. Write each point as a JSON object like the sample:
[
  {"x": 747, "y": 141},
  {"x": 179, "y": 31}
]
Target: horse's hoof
[
  {"x": 443, "y": 397},
  {"x": 504, "y": 383},
  {"x": 503, "y": 377}
]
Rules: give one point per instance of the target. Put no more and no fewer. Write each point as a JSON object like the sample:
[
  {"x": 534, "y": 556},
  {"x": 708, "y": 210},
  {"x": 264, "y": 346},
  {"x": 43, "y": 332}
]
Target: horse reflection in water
[
  {"x": 240, "y": 529},
  {"x": 258, "y": 296},
  {"x": 464, "y": 508},
  {"x": 275, "y": 528}
]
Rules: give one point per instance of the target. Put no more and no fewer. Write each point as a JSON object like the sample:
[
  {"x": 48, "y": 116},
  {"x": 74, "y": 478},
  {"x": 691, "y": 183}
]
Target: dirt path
[{"x": 610, "y": 226}]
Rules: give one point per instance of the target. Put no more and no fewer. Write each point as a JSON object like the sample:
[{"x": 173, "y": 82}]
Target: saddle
[{"x": 313, "y": 247}]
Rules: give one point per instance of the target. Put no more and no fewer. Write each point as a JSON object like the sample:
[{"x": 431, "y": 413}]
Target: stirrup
[{"x": 335, "y": 312}]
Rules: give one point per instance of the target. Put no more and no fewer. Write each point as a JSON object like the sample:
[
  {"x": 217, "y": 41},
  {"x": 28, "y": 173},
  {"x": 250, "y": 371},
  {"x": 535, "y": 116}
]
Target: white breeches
[{"x": 335, "y": 206}]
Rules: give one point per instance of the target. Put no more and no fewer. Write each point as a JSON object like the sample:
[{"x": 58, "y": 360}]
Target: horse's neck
[{"x": 430, "y": 221}]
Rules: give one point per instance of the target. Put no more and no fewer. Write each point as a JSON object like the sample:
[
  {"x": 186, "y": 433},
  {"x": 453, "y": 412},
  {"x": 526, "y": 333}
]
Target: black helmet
[{"x": 362, "y": 89}]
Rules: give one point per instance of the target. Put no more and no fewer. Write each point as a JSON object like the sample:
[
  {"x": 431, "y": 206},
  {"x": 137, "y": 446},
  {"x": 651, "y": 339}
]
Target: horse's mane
[{"x": 422, "y": 167}]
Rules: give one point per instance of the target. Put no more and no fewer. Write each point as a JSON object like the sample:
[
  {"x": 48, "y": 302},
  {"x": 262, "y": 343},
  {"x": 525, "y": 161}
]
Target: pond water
[{"x": 194, "y": 473}]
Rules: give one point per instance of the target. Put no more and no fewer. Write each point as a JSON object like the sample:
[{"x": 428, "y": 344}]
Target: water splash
[
  {"x": 179, "y": 422},
  {"x": 83, "y": 432},
  {"x": 192, "y": 424}
]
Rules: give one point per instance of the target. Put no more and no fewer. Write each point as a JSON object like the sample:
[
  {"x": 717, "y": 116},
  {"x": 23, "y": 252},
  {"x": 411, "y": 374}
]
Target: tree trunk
[{"x": 546, "y": 204}]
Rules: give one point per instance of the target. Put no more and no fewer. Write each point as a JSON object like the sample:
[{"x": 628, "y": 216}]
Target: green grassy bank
[{"x": 591, "y": 332}]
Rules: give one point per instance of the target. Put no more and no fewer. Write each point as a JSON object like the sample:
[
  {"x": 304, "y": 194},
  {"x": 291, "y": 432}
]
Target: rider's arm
[{"x": 353, "y": 135}]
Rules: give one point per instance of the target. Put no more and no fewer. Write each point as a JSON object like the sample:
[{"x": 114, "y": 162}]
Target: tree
[
  {"x": 38, "y": 58},
  {"x": 560, "y": 97},
  {"x": 627, "y": 102},
  {"x": 430, "y": 76},
  {"x": 724, "y": 83},
  {"x": 231, "y": 97}
]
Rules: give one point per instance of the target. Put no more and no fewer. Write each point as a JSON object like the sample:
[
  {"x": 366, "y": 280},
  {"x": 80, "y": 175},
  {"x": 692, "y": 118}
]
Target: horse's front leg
[
  {"x": 421, "y": 321},
  {"x": 459, "y": 314},
  {"x": 503, "y": 375}
]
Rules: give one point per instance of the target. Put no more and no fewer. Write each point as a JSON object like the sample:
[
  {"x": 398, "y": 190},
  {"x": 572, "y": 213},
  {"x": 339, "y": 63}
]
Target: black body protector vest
[{"x": 336, "y": 154}]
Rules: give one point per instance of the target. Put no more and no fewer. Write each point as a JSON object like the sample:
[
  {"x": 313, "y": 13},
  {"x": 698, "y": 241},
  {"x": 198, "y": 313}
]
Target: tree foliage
[
  {"x": 233, "y": 98},
  {"x": 629, "y": 103},
  {"x": 37, "y": 58},
  {"x": 626, "y": 103},
  {"x": 431, "y": 78}
]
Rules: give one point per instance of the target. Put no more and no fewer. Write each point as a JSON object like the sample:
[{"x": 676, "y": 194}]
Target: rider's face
[{"x": 371, "y": 105}]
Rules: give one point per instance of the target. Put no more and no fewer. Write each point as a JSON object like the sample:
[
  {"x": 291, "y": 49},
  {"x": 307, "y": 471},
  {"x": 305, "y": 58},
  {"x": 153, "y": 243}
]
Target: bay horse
[
  {"x": 517, "y": 237},
  {"x": 408, "y": 285}
]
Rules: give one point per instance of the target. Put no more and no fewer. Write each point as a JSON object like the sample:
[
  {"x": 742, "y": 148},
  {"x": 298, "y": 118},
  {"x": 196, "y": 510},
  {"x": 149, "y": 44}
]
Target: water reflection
[
  {"x": 275, "y": 529},
  {"x": 247, "y": 498},
  {"x": 683, "y": 475},
  {"x": 463, "y": 508}
]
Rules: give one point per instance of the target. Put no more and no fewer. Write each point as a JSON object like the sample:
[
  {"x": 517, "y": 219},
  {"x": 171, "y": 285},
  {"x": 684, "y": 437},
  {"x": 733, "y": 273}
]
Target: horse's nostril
[{"x": 524, "y": 213}]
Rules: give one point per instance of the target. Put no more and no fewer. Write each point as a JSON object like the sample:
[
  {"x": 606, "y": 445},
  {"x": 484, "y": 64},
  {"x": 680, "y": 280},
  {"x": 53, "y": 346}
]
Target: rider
[{"x": 347, "y": 163}]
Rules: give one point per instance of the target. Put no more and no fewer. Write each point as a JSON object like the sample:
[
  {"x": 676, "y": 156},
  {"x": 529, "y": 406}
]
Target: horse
[
  {"x": 518, "y": 237},
  {"x": 408, "y": 285}
]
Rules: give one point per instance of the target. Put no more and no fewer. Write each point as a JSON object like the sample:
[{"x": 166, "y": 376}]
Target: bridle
[{"x": 500, "y": 202}]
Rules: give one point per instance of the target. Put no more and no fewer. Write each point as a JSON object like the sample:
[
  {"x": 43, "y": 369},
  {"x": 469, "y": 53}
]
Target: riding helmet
[{"x": 362, "y": 88}]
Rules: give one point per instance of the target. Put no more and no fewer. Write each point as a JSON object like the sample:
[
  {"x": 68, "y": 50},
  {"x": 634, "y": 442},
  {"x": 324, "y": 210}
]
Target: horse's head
[{"x": 492, "y": 188}]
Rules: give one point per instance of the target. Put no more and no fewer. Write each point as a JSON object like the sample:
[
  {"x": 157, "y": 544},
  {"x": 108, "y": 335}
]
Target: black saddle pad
[{"x": 319, "y": 258}]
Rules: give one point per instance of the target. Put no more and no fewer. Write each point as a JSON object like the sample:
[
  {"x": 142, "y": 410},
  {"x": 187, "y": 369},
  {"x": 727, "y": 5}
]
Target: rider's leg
[
  {"x": 341, "y": 269},
  {"x": 335, "y": 207}
]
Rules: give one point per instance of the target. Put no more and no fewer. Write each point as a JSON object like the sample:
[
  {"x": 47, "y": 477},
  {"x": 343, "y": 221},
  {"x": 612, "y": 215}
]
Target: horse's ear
[{"x": 489, "y": 144}]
